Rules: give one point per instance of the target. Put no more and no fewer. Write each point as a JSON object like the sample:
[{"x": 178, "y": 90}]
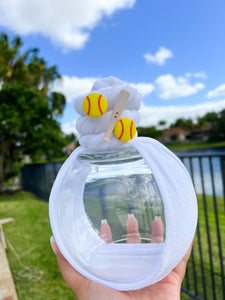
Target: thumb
[{"x": 75, "y": 280}]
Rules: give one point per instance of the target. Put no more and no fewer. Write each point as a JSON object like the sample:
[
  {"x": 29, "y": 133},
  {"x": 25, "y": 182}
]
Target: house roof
[
  {"x": 206, "y": 127},
  {"x": 176, "y": 130},
  {"x": 71, "y": 146}
]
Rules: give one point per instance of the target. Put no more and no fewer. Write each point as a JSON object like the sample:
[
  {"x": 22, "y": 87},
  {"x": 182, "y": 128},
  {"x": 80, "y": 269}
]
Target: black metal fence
[
  {"x": 205, "y": 275},
  {"x": 38, "y": 178}
]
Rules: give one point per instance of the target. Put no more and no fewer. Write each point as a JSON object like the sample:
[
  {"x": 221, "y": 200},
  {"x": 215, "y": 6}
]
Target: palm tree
[
  {"x": 30, "y": 70},
  {"x": 23, "y": 74}
]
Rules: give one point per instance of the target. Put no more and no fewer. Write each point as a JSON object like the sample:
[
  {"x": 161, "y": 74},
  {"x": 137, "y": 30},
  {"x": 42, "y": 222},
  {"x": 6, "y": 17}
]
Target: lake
[{"x": 212, "y": 162}]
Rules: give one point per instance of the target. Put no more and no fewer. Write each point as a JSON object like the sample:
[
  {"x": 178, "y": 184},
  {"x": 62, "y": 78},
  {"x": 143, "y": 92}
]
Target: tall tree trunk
[
  {"x": 1, "y": 171},
  {"x": 3, "y": 150}
]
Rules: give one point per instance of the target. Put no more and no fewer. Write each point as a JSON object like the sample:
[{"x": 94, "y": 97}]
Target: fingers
[
  {"x": 75, "y": 280},
  {"x": 157, "y": 231},
  {"x": 105, "y": 231},
  {"x": 133, "y": 236},
  {"x": 180, "y": 269}
]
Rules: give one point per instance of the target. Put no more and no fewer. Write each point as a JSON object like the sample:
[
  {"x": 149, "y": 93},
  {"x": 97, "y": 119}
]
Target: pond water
[
  {"x": 203, "y": 151},
  {"x": 207, "y": 172}
]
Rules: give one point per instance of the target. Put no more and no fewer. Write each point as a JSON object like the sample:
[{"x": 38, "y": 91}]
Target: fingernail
[
  {"x": 53, "y": 245},
  {"x": 157, "y": 231},
  {"x": 105, "y": 231},
  {"x": 104, "y": 221}
]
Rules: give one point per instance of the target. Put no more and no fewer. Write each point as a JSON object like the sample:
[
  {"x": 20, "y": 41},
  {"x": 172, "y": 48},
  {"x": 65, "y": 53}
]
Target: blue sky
[{"x": 173, "y": 51}]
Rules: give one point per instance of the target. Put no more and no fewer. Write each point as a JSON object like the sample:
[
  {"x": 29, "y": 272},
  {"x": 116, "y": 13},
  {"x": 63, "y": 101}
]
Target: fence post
[{"x": 222, "y": 161}]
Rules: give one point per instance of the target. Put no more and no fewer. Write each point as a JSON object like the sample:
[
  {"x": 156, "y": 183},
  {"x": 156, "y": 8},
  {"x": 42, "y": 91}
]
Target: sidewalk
[{"x": 7, "y": 287}]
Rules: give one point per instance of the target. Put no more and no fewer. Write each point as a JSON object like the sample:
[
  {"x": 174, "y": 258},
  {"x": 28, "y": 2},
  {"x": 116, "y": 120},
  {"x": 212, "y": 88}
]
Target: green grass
[
  {"x": 29, "y": 235},
  {"x": 193, "y": 145}
]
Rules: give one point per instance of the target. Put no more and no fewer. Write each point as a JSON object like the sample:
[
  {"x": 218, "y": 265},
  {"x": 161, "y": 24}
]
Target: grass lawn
[
  {"x": 29, "y": 235},
  {"x": 193, "y": 145}
]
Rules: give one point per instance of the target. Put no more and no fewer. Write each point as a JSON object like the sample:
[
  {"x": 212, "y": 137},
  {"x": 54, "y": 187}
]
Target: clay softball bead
[
  {"x": 94, "y": 105},
  {"x": 122, "y": 209},
  {"x": 125, "y": 130}
]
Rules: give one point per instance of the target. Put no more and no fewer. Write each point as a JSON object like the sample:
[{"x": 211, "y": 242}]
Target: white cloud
[
  {"x": 160, "y": 57},
  {"x": 166, "y": 86},
  {"x": 151, "y": 115},
  {"x": 72, "y": 87},
  {"x": 67, "y": 23},
  {"x": 199, "y": 75},
  {"x": 69, "y": 127},
  {"x": 144, "y": 88},
  {"x": 169, "y": 87},
  {"x": 217, "y": 92}
]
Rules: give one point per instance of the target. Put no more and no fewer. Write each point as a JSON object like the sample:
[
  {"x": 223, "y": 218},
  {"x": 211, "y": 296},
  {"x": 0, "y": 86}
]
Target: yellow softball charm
[
  {"x": 125, "y": 130},
  {"x": 95, "y": 105}
]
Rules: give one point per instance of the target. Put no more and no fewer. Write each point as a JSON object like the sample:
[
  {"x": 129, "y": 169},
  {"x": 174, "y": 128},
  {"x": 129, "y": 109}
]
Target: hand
[{"x": 85, "y": 289}]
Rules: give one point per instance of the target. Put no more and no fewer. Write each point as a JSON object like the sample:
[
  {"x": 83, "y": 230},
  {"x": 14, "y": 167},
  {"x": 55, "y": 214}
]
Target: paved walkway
[{"x": 7, "y": 287}]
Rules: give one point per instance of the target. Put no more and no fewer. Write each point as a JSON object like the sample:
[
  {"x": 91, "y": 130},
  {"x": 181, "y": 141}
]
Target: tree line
[{"x": 215, "y": 131}]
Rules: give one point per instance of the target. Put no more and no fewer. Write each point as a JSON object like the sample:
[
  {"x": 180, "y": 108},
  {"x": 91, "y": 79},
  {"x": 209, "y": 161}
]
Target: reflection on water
[{"x": 206, "y": 151}]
